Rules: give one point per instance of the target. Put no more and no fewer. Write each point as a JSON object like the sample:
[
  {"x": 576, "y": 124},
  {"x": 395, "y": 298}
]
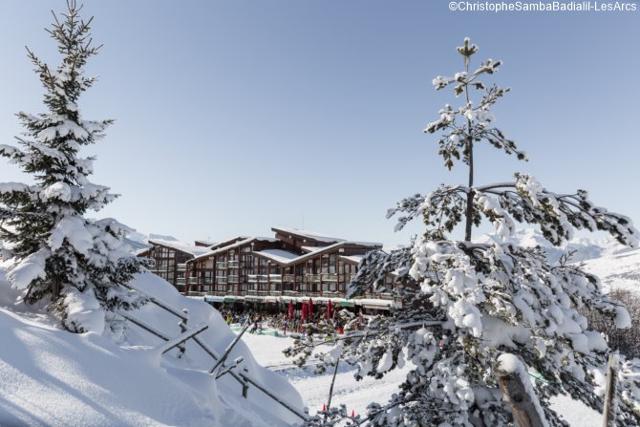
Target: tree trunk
[
  {"x": 523, "y": 409},
  {"x": 609, "y": 413}
]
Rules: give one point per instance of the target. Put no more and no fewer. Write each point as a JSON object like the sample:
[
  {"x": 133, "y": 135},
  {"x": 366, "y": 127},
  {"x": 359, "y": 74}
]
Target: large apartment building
[{"x": 292, "y": 265}]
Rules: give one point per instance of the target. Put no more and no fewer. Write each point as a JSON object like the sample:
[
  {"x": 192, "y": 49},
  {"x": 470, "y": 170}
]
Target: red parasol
[
  {"x": 290, "y": 310},
  {"x": 329, "y": 310},
  {"x": 310, "y": 308},
  {"x": 305, "y": 311}
]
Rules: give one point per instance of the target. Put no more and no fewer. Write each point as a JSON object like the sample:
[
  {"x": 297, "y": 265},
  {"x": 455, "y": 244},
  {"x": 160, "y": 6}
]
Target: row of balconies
[
  {"x": 275, "y": 278},
  {"x": 285, "y": 293}
]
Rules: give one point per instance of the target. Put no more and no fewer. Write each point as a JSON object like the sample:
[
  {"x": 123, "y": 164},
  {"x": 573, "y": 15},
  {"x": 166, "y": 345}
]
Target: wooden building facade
[
  {"x": 169, "y": 257},
  {"x": 294, "y": 263}
]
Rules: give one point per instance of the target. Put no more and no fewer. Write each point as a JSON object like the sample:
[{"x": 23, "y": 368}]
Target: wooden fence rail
[{"x": 242, "y": 377}]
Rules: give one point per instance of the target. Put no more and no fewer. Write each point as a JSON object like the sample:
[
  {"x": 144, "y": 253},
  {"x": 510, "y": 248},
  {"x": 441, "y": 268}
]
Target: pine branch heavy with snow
[{"x": 57, "y": 254}]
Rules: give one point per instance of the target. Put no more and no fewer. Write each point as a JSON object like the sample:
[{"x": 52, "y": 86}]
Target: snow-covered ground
[
  {"x": 619, "y": 270},
  {"x": 267, "y": 349},
  {"x": 52, "y": 377}
]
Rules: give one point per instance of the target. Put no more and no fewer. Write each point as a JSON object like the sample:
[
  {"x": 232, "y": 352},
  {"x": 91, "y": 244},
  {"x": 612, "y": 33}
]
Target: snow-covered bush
[
  {"x": 464, "y": 304},
  {"x": 626, "y": 341},
  {"x": 57, "y": 254}
]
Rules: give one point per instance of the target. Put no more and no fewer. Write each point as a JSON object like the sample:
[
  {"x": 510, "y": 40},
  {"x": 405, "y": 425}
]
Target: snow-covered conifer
[
  {"x": 58, "y": 255},
  {"x": 465, "y": 304}
]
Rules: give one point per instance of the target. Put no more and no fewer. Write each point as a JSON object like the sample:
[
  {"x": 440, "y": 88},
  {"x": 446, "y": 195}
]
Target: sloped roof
[
  {"x": 286, "y": 260},
  {"x": 353, "y": 258},
  {"x": 237, "y": 242},
  {"x": 307, "y": 234},
  {"x": 278, "y": 255},
  {"x": 179, "y": 246}
]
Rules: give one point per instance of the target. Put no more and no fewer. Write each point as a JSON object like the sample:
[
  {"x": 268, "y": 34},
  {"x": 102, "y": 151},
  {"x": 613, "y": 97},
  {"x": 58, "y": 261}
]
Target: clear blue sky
[{"x": 232, "y": 116}]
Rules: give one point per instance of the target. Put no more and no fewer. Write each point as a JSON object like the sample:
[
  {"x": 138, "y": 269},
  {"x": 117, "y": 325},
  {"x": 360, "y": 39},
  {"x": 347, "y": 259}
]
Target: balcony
[
  {"x": 262, "y": 292},
  {"x": 181, "y": 267},
  {"x": 329, "y": 277},
  {"x": 221, "y": 265}
]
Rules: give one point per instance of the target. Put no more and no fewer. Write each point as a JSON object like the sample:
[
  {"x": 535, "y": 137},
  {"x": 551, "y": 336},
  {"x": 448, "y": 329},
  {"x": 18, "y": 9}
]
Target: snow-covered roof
[
  {"x": 308, "y": 234},
  {"x": 228, "y": 241},
  {"x": 290, "y": 260},
  {"x": 140, "y": 251},
  {"x": 218, "y": 249},
  {"x": 278, "y": 255},
  {"x": 353, "y": 258},
  {"x": 179, "y": 246}
]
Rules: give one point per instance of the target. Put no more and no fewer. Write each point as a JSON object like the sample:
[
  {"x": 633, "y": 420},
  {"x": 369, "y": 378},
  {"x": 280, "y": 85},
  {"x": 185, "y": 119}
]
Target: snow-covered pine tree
[
  {"x": 58, "y": 256},
  {"x": 467, "y": 307}
]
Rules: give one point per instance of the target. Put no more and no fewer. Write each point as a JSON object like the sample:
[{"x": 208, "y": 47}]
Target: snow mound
[{"x": 52, "y": 377}]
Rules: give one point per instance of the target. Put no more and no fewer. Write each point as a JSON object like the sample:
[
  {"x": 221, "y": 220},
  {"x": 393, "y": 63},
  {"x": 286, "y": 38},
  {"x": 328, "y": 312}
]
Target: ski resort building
[
  {"x": 168, "y": 258},
  {"x": 294, "y": 265}
]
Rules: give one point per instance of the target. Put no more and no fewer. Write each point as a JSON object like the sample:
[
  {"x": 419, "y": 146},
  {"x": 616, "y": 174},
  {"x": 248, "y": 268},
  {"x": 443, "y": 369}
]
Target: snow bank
[{"x": 52, "y": 377}]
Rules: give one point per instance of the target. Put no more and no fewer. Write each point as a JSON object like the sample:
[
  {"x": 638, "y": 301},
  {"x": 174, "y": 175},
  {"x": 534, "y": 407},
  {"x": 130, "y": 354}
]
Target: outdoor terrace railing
[
  {"x": 289, "y": 278},
  {"x": 264, "y": 278}
]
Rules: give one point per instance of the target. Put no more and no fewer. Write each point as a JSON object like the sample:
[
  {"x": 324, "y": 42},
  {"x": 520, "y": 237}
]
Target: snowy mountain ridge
[{"x": 617, "y": 266}]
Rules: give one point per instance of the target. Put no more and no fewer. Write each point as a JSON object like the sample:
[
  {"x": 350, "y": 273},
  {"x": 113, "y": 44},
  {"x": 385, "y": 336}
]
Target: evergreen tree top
[{"x": 57, "y": 254}]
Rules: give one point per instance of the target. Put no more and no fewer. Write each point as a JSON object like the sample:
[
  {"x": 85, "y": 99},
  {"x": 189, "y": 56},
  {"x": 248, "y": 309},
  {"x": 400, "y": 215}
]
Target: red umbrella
[
  {"x": 329, "y": 310},
  {"x": 310, "y": 308},
  {"x": 305, "y": 311},
  {"x": 290, "y": 310}
]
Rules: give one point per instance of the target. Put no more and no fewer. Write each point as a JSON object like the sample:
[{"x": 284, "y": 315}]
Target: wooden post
[
  {"x": 609, "y": 414},
  {"x": 183, "y": 328},
  {"x": 224, "y": 356},
  {"x": 511, "y": 374},
  {"x": 169, "y": 345},
  {"x": 333, "y": 381},
  {"x": 273, "y": 396}
]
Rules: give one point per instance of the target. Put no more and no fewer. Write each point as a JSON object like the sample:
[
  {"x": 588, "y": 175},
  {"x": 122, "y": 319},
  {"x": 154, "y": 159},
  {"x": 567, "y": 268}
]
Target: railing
[
  {"x": 312, "y": 277},
  {"x": 263, "y": 292},
  {"x": 181, "y": 267},
  {"x": 220, "y": 368},
  {"x": 264, "y": 278},
  {"x": 221, "y": 264},
  {"x": 329, "y": 277},
  {"x": 333, "y": 294}
]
